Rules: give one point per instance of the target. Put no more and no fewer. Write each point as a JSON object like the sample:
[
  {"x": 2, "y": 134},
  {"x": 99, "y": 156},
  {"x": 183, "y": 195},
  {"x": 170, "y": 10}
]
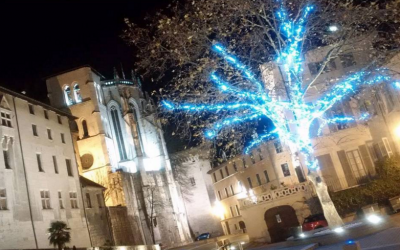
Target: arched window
[
  {"x": 67, "y": 95},
  {"x": 77, "y": 93},
  {"x": 98, "y": 92},
  {"x": 85, "y": 129},
  {"x": 118, "y": 133}
]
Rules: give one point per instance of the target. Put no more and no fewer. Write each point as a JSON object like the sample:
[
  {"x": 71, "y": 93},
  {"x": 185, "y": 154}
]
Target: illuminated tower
[{"x": 119, "y": 144}]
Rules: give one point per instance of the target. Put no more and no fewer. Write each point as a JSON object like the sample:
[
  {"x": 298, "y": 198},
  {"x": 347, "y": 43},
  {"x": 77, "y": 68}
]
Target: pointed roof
[{"x": 88, "y": 183}]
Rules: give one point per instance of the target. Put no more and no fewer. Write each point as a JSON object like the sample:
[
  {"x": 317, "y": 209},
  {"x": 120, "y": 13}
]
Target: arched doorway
[
  {"x": 242, "y": 226},
  {"x": 279, "y": 220}
]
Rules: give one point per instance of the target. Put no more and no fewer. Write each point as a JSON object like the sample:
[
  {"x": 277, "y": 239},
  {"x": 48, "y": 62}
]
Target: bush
[{"x": 377, "y": 191}]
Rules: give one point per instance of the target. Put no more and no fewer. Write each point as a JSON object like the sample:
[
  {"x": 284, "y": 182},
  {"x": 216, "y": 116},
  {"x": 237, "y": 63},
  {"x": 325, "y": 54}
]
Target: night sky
[{"x": 42, "y": 38}]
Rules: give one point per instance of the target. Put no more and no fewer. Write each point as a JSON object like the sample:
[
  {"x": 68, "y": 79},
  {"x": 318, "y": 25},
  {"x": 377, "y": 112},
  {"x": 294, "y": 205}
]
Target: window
[
  {"x": 85, "y": 129},
  {"x": 39, "y": 162},
  {"x": 232, "y": 214},
  {"x": 215, "y": 177},
  {"x": 77, "y": 93},
  {"x": 99, "y": 200},
  {"x": 221, "y": 173},
  {"x": 118, "y": 133},
  {"x": 3, "y": 199},
  {"x": 45, "y": 197},
  {"x": 88, "y": 201},
  {"x": 219, "y": 195},
  {"x": 49, "y": 136},
  {"x": 98, "y": 93},
  {"x": 266, "y": 176},
  {"x": 62, "y": 138},
  {"x": 258, "y": 179},
  {"x": 67, "y": 96},
  {"x": 250, "y": 183},
  {"x": 31, "y": 109},
  {"x": 278, "y": 146},
  {"x": 226, "y": 171},
  {"x": 260, "y": 154},
  {"x": 34, "y": 130},
  {"x": 69, "y": 167},
  {"x": 232, "y": 191},
  {"x": 226, "y": 192},
  {"x": 59, "y": 119},
  {"x": 285, "y": 169},
  {"x": 235, "y": 167},
  {"x": 237, "y": 210},
  {"x": 356, "y": 164},
  {"x": 192, "y": 181},
  {"x": 244, "y": 163},
  {"x": 347, "y": 60},
  {"x": 46, "y": 114},
  {"x": 55, "y": 164},
  {"x": 6, "y": 159},
  {"x": 252, "y": 158},
  {"x": 6, "y": 120},
  {"x": 74, "y": 199},
  {"x": 60, "y": 200}
]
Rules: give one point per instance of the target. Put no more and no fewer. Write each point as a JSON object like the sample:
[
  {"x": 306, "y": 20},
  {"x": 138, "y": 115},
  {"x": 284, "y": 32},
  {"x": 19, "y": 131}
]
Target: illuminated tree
[{"x": 282, "y": 37}]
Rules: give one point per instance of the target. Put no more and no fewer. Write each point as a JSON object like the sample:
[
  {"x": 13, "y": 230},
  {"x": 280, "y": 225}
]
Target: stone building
[
  {"x": 120, "y": 145},
  {"x": 96, "y": 213},
  {"x": 266, "y": 192},
  {"x": 190, "y": 168},
  {"x": 39, "y": 178}
]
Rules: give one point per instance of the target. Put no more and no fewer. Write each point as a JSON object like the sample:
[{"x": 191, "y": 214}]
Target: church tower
[{"x": 120, "y": 145}]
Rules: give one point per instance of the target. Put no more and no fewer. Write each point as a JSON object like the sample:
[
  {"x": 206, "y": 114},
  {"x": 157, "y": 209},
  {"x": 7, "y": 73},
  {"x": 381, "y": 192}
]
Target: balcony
[{"x": 273, "y": 195}]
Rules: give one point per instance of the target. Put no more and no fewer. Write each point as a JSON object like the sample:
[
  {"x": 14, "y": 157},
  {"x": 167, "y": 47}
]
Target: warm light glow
[
  {"x": 218, "y": 210},
  {"x": 374, "y": 219},
  {"x": 302, "y": 235},
  {"x": 338, "y": 230},
  {"x": 397, "y": 131}
]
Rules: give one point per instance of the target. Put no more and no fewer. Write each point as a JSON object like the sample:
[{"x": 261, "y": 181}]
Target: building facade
[
  {"x": 266, "y": 193},
  {"x": 191, "y": 168},
  {"x": 120, "y": 145},
  {"x": 39, "y": 178}
]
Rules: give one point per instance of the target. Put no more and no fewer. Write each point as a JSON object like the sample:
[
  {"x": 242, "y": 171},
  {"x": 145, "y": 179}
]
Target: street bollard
[{"x": 352, "y": 245}]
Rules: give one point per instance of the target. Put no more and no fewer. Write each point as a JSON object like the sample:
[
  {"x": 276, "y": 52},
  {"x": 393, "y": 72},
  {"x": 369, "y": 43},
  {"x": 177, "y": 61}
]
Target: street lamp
[{"x": 397, "y": 131}]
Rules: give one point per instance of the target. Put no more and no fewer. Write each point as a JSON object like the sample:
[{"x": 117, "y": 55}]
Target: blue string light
[{"x": 257, "y": 103}]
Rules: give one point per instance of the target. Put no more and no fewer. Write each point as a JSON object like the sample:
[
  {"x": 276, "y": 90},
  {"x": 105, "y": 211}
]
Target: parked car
[
  {"x": 313, "y": 222},
  {"x": 203, "y": 236}
]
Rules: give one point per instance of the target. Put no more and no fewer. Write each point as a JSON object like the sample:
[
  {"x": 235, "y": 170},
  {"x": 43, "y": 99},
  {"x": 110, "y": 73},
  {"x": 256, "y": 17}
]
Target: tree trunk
[
  {"x": 59, "y": 246},
  {"x": 329, "y": 209}
]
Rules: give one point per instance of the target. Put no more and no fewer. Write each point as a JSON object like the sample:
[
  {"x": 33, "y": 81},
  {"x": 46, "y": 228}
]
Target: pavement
[{"x": 388, "y": 239}]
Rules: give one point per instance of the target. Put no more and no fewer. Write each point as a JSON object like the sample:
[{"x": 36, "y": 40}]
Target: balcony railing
[{"x": 273, "y": 195}]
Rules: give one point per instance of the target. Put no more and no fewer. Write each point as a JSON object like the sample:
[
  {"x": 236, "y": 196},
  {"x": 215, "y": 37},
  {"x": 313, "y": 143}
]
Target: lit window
[
  {"x": 39, "y": 162},
  {"x": 49, "y": 136},
  {"x": 5, "y": 120},
  {"x": 45, "y": 197},
  {"x": 74, "y": 199},
  {"x": 3, "y": 199},
  {"x": 69, "y": 167},
  {"x": 88, "y": 201},
  {"x": 285, "y": 169},
  {"x": 356, "y": 164},
  {"x": 67, "y": 96},
  {"x": 60, "y": 200},
  {"x": 77, "y": 93},
  {"x": 278, "y": 146},
  {"x": 34, "y": 130}
]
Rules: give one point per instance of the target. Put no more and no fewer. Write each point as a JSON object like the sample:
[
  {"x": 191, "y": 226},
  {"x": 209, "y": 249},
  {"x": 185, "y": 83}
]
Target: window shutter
[
  {"x": 387, "y": 147},
  {"x": 351, "y": 181},
  {"x": 328, "y": 171},
  {"x": 367, "y": 159}
]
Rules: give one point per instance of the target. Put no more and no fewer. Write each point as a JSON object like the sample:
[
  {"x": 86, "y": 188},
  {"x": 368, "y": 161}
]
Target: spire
[
  {"x": 122, "y": 71},
  {"x": 133, "y": 75},
  {"x": 116, "y": 76}
]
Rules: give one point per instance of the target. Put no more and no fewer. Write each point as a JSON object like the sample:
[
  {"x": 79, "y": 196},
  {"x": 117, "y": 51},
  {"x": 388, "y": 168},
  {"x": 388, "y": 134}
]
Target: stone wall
[{"x": 121, "y": 227}]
